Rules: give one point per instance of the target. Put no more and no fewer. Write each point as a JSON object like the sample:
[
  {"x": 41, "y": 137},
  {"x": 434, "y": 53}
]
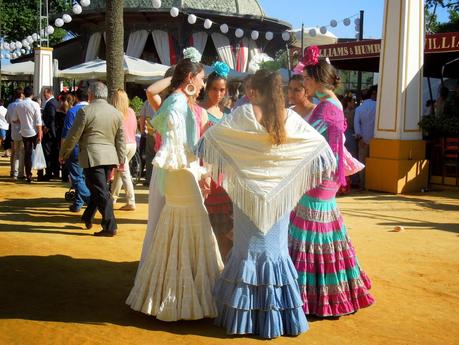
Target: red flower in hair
[{"x": 311, "y": 56}]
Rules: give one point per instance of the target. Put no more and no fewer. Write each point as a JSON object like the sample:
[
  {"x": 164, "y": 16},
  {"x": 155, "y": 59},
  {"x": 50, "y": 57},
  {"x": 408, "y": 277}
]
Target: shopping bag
[{"x": 38, "y": 158}]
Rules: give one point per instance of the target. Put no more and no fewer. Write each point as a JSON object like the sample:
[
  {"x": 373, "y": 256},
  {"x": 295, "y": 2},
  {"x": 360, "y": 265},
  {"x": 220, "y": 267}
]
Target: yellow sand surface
[{"x": 60, "y": 285}]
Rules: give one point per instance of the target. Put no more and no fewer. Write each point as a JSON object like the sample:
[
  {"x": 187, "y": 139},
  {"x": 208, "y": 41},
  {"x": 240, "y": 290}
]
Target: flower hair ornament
[
  {"x": 221, "y": 69},
  {"x": 311, "y": 58},
  {"x": 193, "y": 54}
]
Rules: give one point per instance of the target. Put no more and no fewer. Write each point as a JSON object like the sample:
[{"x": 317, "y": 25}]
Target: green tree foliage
[
  {"x": 20, "y": 18},
  {"x": 431, "y": 17}
]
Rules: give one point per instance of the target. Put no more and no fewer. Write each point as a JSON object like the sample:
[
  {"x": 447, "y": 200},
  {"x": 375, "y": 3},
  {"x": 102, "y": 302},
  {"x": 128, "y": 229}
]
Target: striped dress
[{"x": 329, "y": 275}]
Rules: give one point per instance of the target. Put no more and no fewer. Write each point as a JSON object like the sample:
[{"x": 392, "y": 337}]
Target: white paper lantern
[
  {"x": 59, "y": 22},
  {"x": 66, "y": 18},
  {"x": 6, "y": 46},
  {"x": 357, "y": 28},
  {"x": 333, "y": 23},
  {"x": 224, "y": 28},
  {"x": 269, "y": 36},
  {"x": 24, "y": 42},
  {"x": 192, "y": 19},
  {"x": 8, "y": 56},
  {"x": 323, "y": 30},
  {"x": 30, "y": 39},
  {"x": 347, "y": 22},
  {"x": 1, "y": 57},
  {"x": 35, "y": 37},
  {"x": 254, "y": 34},
  {"x": 286, "y": 36},
  {"x": 23, "y": 51},
  {"x": 174, "y": 12},
  {"x": 12, "y": 46},
  {"x": 85, "y": 3},
  {"x": 357, "y": 21},
  {"x": 156, "y": 3},
  {"x": 239, "y": 33},
  {"x": 49, "y": 30},
  {"x": 14, "y": 56},
  {"x": 18, "y": 45},
  {"x": 76, "y": 9},
  {"x": 312, "y": 32},
  {"x": 207, "y": 24}
]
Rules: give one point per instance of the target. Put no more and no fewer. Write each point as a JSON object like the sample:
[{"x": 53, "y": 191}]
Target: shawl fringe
[{"x": 266, "y": 210}]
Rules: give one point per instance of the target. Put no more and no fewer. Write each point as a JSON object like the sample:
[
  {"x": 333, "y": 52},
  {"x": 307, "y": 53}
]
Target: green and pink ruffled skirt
[{"x": 329, "y": 275}]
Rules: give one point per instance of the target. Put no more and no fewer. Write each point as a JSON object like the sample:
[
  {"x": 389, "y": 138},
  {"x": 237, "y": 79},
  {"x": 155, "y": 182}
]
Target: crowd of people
[{"x": 243, "y": 224}]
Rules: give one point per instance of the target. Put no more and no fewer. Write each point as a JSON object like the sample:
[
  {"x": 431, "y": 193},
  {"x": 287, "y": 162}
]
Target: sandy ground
[{"x": 60, "y": 285}]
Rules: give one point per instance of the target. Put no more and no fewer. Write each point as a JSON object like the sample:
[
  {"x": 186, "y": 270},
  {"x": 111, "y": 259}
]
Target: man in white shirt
[
  {"x": 364, "y": 127},
  {"x": 17, "y": 152},
  {"x": 28, "y": 114}
]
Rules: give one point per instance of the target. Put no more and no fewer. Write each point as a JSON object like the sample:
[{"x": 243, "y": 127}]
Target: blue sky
[{"x": 320, "y": 12}]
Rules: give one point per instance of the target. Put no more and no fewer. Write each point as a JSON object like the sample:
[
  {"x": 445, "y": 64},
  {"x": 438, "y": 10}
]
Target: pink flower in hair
[{"x": 311, "y": 56}]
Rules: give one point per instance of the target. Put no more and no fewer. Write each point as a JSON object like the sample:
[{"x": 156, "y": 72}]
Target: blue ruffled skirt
[{"x": 258, "y": 291}]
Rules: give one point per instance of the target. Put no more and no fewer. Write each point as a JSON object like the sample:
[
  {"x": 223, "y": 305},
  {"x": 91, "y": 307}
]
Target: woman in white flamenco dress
[{"x": 180, "y": 259}]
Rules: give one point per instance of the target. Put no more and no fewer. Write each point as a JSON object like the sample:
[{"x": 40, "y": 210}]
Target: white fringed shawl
[{"x": 264, "y": 180}]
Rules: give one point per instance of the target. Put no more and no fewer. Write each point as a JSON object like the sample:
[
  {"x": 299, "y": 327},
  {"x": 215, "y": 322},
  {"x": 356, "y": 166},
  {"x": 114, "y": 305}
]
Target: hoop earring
[{"x": 190, "y": 89}]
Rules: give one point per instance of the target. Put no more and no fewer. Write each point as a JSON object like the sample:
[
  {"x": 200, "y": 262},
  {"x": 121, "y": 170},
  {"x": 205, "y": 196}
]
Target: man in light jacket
[{"x": 98, "y": 130}]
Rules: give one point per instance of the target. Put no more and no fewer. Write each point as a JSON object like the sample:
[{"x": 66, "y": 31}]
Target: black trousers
[
  {"x": 51, "y": 151},
  {"x": 29, "y": 145},
  {"x": 101, "y": 199}
]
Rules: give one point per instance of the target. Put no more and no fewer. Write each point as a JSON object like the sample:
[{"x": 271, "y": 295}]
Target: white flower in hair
[
  {"x": 327, "y": 60},
  {"x": 193, "y": 54}
]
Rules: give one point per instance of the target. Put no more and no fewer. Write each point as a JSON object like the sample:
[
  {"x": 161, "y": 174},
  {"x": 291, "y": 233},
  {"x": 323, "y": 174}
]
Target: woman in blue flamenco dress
[{"x": 268, "y": 155}]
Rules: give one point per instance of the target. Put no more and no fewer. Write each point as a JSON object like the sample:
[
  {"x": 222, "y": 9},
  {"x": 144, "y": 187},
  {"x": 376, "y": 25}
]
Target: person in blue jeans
[{"x": 82, "y": 193}]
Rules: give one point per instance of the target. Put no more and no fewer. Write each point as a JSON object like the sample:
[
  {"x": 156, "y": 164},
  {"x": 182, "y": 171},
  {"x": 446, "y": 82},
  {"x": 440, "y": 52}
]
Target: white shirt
[
  {"x": 29, "y": 115},
  {"x": 3, "y": 123},
  {"x": 15, "y": 127},
  {"x": 364, "y": 120}
]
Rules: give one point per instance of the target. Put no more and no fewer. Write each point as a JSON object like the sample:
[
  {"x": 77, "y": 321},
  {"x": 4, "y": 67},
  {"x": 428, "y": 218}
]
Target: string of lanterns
[
  {"x": 18, "y": 48},
  {"x": 334, "y": 23},
  {"x": 25, "y": 46},
  {"x": 224, "y": 28}
]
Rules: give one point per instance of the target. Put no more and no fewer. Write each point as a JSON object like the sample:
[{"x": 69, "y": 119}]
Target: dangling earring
[{"x": 190, "y": 89}]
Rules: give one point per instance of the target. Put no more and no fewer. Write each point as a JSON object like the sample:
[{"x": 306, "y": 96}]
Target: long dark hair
[
  {"x": 182, "y": 69},
  {"x": 269, "y": 85},
  {"x": 324, "y": 73}
]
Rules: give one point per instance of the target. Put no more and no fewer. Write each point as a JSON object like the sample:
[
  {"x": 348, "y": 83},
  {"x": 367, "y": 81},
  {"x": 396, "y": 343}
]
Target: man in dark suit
[
  {"x": 50, "y": 136},
  {"x": 98, "y": 130}
]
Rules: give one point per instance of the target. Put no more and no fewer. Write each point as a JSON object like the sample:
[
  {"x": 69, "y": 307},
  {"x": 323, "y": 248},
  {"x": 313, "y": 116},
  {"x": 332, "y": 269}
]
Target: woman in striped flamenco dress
[{"x": 329, "y": 275}]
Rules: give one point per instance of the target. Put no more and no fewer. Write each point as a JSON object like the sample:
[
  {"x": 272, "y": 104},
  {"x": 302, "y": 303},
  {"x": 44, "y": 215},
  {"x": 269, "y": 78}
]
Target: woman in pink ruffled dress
[{"x": 331, "y": 280}]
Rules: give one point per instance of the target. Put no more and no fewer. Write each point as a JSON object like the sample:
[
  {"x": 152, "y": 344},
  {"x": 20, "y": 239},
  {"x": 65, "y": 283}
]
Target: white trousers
[{"x": 124, "y": 178}]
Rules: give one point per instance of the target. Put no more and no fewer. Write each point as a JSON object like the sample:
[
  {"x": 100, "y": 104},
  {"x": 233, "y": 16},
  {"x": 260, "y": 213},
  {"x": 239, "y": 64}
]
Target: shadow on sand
[{"x": 89, "y": 291}]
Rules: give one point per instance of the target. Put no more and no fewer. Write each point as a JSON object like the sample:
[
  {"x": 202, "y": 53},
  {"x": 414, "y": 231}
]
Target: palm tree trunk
[{"x": 115, "y": 40}]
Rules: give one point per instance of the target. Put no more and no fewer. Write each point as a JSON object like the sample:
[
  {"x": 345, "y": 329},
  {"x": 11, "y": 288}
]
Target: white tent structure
[
  {"x": 19, "y": 69},
  {"x": 135, "y": 70},
  {"x": 317, "y": 39}
]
